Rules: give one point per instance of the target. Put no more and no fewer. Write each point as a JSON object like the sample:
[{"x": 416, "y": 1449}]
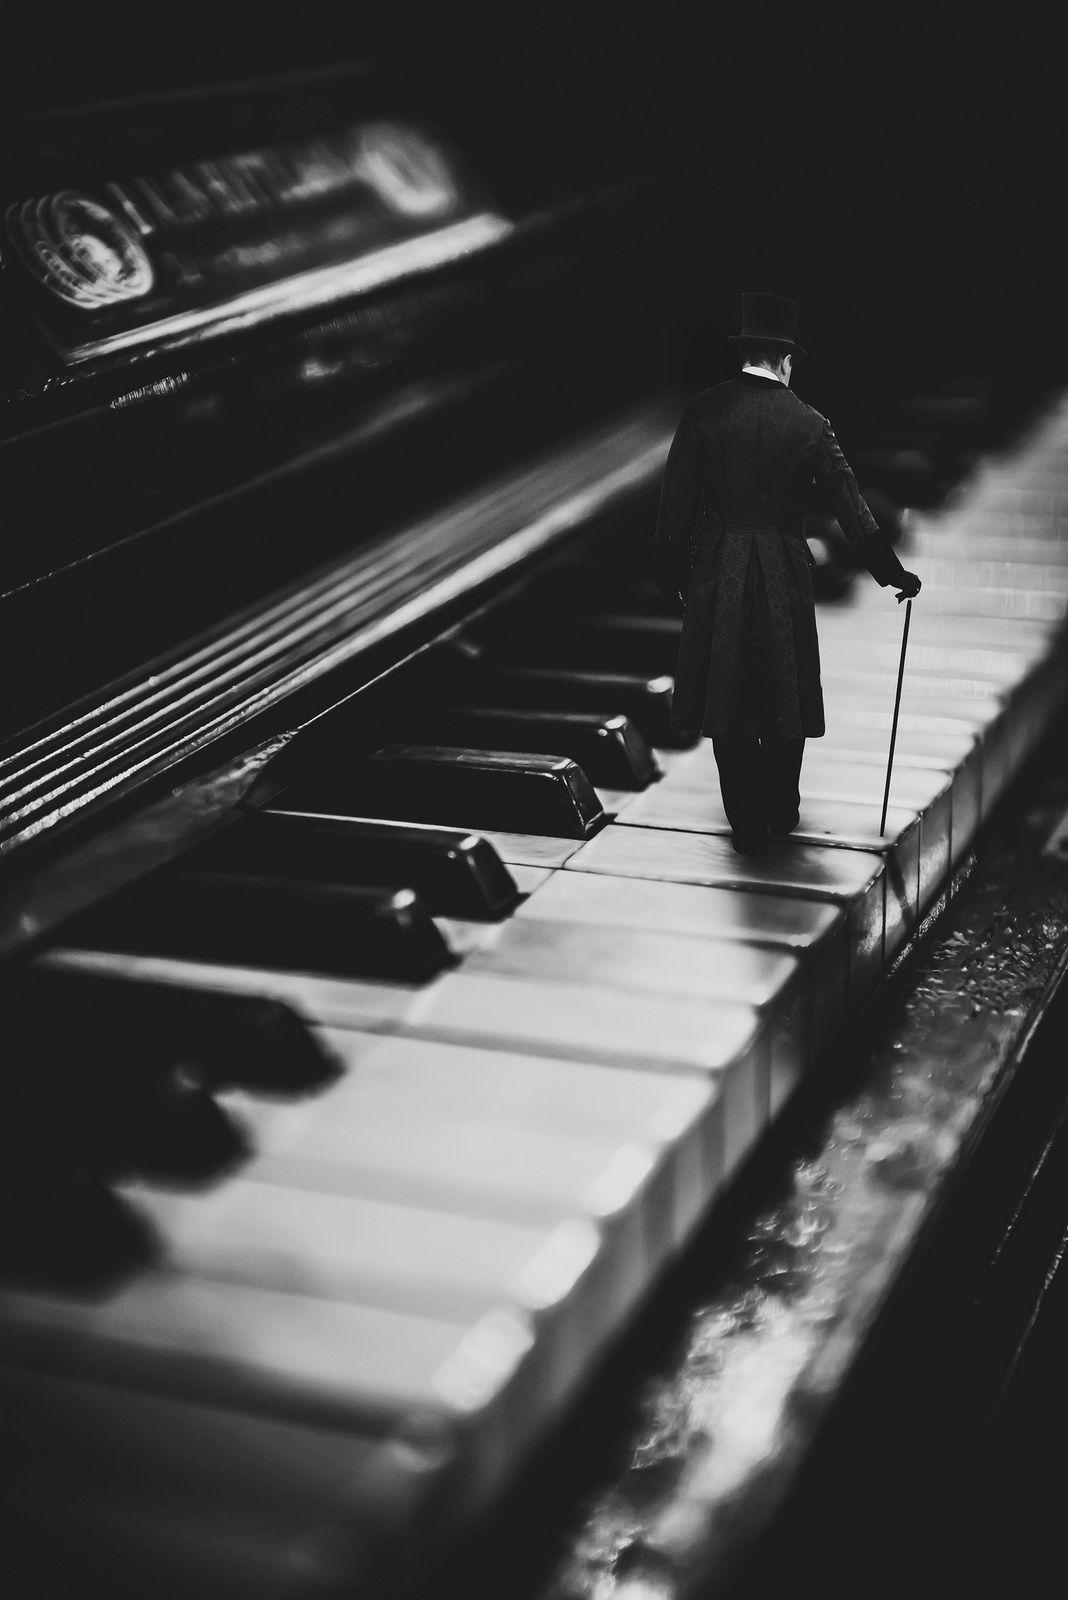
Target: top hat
[{"x": 768, "y": 319}]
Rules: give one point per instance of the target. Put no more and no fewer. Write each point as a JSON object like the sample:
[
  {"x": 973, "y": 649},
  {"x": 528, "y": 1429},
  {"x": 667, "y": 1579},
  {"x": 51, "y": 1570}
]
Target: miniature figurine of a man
[{"x": 748, "y": 460}]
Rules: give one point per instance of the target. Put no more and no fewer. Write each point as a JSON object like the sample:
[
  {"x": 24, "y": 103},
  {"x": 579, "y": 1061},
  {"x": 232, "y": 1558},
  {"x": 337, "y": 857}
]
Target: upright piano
[{"x": 386, "y": 1013}]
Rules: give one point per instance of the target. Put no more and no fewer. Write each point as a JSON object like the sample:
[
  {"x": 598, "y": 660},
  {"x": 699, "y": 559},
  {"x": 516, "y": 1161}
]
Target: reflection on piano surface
[{"x": 389, "y": 1006}]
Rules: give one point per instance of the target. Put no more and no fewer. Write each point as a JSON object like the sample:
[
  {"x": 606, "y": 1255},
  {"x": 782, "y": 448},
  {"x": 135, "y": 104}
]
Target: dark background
[{"x": 892, "y": 168}]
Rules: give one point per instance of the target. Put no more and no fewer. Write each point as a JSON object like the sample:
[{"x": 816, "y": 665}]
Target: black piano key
[
  {"x": 274, "y": 922},
  {"x": 251, "y": 1040},
  {"x": 646, "y": 701},
  {"x": 631, "y": 643},
  {"x": 69, "y": 1231},
  {"x": 498, "y": 789},
  {"x": 455, "y": 873},
  {"x": 609, "y": 748},
  {"x": 172, "y": 1128},
  {"x": 105, "y": 1102}
]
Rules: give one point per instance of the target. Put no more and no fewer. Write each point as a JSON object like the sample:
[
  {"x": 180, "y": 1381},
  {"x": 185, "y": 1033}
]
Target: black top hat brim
[{"x": 754, "y": 336}]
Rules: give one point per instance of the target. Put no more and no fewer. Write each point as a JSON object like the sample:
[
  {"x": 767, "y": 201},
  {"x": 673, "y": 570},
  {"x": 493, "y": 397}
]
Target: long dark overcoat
[{"x": 748, "y": 460}]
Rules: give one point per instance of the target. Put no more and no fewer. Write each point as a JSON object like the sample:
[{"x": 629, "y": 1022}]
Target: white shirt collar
[{"x": 761, "y": 372}]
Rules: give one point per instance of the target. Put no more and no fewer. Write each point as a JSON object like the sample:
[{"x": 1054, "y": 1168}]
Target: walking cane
[{"x": 897, "y": 707}]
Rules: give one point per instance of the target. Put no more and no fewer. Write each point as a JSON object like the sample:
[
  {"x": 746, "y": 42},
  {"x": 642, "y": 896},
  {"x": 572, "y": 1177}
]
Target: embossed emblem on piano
[
  {"x": 81, "y": 251},
  {"x": 211, "y": 246}
]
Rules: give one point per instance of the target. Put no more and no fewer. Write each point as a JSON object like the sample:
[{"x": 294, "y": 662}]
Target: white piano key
[
  {"x": 493, "y": 1137},
  {"x": 1011, "y": 577},
  {"x": 931, "y": 794},
  {"x": 850, "y": 878},
  {"x": 607, "y": 1026},
  {"x": 943, "y": 746},
  {"x": 664, "y": 965},
  {"x": 530, "y": 849},
  {"x": 1019, "y": 671},
  {"x": 506, "y": 1172},
  {"x": 840, "y": 824},
  {"x": 680, "y": 1117},
  {"x": 419, "y": 1260},
  {"x": 991, "y": 536},
  {"x": 858, "y": 704},
  {"x": 346, "y": 1002},
  {"x": 542, "y": 1094},
  {"x": 844, "y": 652},
  {"x": 975, "y": 667},
  {"x": 164, "y": 1552},
  {"x": 701, "y": 774},
  {"x": 592, "y": 1022},
  {"x": 870, "y": 705},
  {"x": 274, "y": 1501},
  {"x": 921, "y": 686},
  {"x": 815, "y": 932},
  {"x": 1030, "y": 635},
  {"x": 971, "y": 600},
  {"x": 311, "y": 1362},
  {"x": 920, "y": 748},
  {"x": 442, "y": 1265},
  {"x": 1036, "y": 507},
  {"x": 528, "y": 878},
  {"x": 613, "y": 801},
  {"x": 916, "y": 749},
  {"x": 839, "y": 799}
]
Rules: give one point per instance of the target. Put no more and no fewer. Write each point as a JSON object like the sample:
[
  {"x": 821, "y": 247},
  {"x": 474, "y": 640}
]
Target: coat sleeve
[
  {"x": 838, "y": 493},
  {"x": 680, "y": 503}
]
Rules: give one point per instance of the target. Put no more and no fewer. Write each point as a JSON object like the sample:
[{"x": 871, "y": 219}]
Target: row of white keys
[
  {"x": 1000, "y": 599},
  {"x": 841, "y": 804},
  {"x": 814, "y": 932},
  {"x": 358, "y": 1368},
  {"x": 852, "y": 880},
  {"x": 974, "y": 742},
  {"x": 337, "y": 1312},
  {"x": 867, "y": 721},
  {"x": 176, "y": 1497},
  {"x": 824, "y": 824},
  {"x": 574, "y": 1020}
]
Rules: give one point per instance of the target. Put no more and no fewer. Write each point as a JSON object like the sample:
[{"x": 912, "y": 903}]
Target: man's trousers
[{"x": 758, "y": 780}]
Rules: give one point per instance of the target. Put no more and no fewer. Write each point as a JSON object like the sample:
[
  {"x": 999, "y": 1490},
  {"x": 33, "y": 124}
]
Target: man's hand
[{"x": 910, "y": 587}]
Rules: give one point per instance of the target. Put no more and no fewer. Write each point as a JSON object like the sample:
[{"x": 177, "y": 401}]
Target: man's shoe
[
  {"x": 750, "y": 844},
  {"x": 779, "y": 830}
]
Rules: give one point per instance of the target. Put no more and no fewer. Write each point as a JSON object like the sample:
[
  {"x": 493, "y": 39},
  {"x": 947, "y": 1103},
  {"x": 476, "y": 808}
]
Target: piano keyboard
[{"x": 349, "y": 1341}]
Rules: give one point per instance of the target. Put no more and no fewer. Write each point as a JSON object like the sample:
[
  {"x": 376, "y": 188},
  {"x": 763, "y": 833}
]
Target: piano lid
[{"x": 257, "y": 335}]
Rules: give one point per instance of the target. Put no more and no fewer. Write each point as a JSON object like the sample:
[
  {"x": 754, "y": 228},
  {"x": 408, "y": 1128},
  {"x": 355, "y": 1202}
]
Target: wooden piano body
[{"x": 317, "y": 448}]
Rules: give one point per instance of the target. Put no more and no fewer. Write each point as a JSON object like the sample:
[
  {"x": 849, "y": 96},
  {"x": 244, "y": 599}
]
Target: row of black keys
[
  {"x": 341, "y": 875},
  {"x": 345, "y": 872}
]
